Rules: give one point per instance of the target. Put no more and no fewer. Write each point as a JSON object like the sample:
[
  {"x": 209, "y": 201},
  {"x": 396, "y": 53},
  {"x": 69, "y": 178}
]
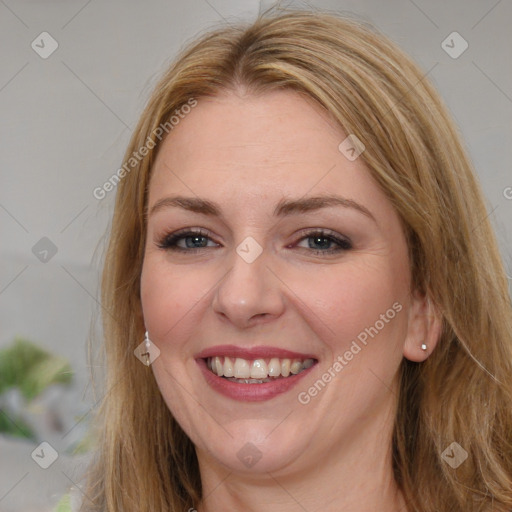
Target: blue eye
[
  {"x": 194, "y": 240},
  {"x": 321, "y": 242}
]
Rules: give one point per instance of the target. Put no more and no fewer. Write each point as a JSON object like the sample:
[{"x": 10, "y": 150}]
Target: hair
[{"x": 461, "y": 393}]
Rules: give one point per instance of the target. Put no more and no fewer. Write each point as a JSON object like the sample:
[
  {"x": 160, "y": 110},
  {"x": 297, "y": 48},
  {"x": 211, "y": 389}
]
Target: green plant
[{"x": 31, "y": 369}]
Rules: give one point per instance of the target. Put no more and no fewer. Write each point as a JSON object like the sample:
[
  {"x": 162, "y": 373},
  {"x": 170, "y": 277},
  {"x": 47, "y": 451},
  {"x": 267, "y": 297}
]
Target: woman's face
[{"x": 297, "y": 263}]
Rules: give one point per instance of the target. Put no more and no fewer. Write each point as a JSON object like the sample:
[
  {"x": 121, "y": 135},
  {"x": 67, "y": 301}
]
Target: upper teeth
[{"x": 257, "y": 368}]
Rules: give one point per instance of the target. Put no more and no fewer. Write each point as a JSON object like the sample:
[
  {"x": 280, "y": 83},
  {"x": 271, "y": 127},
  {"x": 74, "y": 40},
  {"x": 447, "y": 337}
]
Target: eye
[
  {"x": 319, "y": 241},
  {"x": 324, "y": 242},
  {"x": 185, "y": 241}
]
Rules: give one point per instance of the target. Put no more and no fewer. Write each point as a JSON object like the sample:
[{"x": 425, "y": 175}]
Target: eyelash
[{"x": 169, "y": 241}]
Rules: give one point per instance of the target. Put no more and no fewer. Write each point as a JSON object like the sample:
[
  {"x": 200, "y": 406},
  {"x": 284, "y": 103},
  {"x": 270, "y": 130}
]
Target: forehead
[
  {"x": 245, "y": 146},
  {"x": 276, "y": 124}
]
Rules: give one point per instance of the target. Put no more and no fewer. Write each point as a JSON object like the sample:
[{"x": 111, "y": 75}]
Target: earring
[
  {"x": 423, "y": 346},
  {"x": 147, "y": 344}
]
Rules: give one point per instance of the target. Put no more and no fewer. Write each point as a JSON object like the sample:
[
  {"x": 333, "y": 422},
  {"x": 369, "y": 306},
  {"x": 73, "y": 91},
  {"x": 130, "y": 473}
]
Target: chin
[{"x": 245, "y": 455}]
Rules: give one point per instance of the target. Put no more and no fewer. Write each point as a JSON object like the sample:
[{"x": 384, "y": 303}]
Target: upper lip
[{"x": 259, "y": 352}]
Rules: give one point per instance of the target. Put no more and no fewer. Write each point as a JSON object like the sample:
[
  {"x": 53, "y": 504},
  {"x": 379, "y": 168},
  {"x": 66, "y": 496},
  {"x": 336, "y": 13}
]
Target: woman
[{"x": 301, "y": 254}]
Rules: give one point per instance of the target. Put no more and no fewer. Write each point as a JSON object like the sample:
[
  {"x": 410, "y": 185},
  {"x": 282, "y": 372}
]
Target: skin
[{"x": 246, "y": 153}]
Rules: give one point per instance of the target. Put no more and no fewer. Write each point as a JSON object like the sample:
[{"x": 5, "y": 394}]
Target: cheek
[
  {"x": 356, "y": 300},
  {"x": 168, "y": 294}
]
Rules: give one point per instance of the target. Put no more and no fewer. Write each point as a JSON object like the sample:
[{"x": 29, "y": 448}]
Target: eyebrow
[{"x": 284, "y": 207}]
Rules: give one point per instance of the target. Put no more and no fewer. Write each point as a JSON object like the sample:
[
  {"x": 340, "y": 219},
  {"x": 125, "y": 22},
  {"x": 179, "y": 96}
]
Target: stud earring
[{"x": 423, "y": 346}]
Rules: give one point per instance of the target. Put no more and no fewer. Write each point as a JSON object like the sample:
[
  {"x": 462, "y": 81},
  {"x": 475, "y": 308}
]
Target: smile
[
  {"x": 257, "y": 371},
  {"x": 253, "y": 374}
]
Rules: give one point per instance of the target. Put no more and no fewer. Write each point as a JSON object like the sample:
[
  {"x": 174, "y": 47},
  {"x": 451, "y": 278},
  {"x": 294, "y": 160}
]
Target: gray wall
[{"x": 66, "y": 119}]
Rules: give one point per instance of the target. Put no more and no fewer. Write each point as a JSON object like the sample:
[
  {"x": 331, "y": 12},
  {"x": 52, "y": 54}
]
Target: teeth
[
  {"x": 218, "y": 367},
  {"x": 228, "y": 370},
  {"x": 285, "y": 367},
  {"x": 258, "y": 370},
  {"x": 296, "y": 367},
  {"x": 242, "y": 369},
  {"x": 249, "y": 381},
  {"x": 274, "y": 367},
  {"x": 308, "y": 363}
]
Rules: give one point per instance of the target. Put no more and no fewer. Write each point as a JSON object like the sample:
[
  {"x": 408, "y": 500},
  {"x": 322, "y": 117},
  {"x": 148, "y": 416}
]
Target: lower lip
[{"x": 250, "y": 392}]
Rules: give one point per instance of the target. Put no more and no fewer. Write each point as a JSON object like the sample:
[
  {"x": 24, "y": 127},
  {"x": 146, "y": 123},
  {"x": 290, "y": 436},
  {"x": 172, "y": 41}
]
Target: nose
[{"x": 249, "y": 294}]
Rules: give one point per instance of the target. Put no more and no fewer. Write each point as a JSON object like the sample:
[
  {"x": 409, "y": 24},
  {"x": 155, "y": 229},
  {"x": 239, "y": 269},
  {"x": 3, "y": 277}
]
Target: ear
[{"x": 423, "y": 327}]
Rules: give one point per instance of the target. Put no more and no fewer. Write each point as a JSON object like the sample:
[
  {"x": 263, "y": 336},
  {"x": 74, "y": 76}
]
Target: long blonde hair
[{"x": 462, "y": 393}]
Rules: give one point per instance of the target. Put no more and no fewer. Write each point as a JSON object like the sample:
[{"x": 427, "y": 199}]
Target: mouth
[
  {"x": 255, "y": 374},
  {"x": 257, "y": 371}
]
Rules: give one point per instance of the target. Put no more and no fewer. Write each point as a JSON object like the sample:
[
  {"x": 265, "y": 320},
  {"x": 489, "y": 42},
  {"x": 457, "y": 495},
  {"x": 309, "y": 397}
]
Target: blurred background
[{"x": 74, "y": 79}]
